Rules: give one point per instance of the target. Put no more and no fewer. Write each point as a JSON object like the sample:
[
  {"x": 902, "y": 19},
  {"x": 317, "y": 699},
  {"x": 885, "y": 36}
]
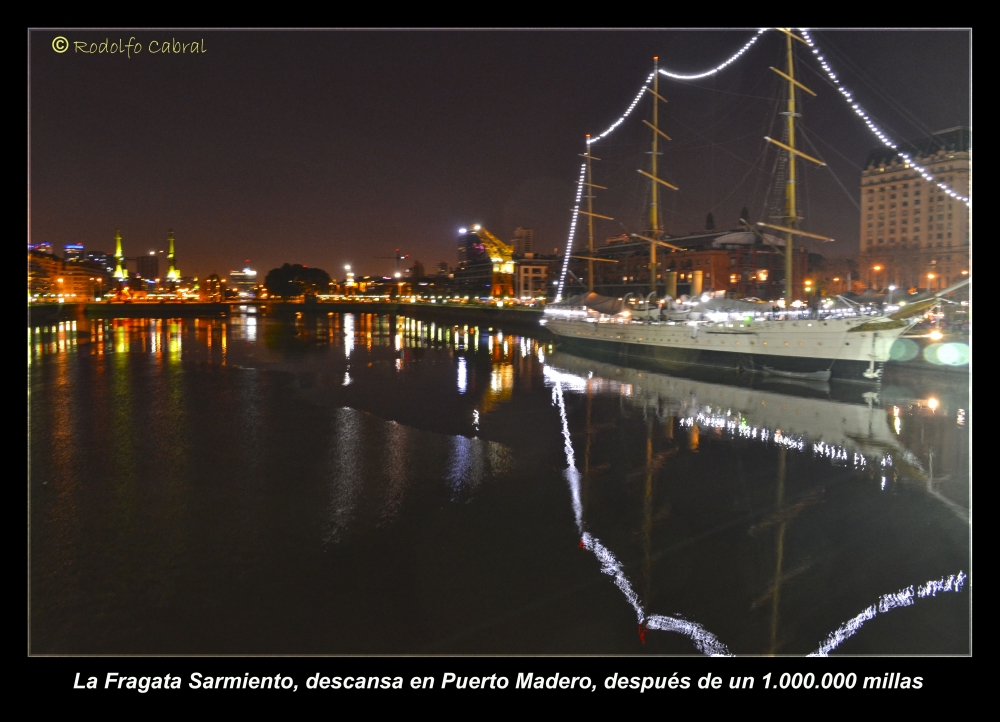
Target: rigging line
[
  {"x": 924, "y": 173},
  {"x": 834, "y": 149},
  {"x": 879, "y": 90},
  {"x": 847, "y": 193},
  {"x": 676, "y": 76},
  {"x": 763, "y": 152},
  {"x": 710, "y": 142},
  {"x": 727, "y": 92}
]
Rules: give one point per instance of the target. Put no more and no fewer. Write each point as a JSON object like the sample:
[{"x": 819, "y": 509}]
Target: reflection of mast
[
  {"x": 647, "y": 514},
  {"x": 779, "y": 549}
]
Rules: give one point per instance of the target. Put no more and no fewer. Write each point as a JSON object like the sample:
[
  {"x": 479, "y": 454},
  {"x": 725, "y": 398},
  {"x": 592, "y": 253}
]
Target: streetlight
[
  {"x": 876, "y": 269},
  {"x": 930, "y": 277},
  {"x": 891, "y": 289}
]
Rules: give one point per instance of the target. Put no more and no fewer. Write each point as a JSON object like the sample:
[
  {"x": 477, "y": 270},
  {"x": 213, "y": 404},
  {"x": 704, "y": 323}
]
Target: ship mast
[
  {"x": 654, "y": 220},
  {"x": 791, "y": 217},
  {"x": 654, "y": 210},
  {"x": 791, "y": 213},
  {"x": 589, "y": 183}
]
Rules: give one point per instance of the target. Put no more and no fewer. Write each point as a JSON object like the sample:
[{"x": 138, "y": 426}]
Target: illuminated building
[
  {"x": 530, "y": 278},
  {"x": 243, "y": 282},
  {"x": 915, "y": 232},
  {"x": 73, "y": 252},
  {"x": 51, "y": 278},
  {"x": 737, "y": 263}
]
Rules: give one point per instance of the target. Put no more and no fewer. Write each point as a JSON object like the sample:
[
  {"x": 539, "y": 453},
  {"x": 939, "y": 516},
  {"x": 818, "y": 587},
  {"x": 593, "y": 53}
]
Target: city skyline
[{"x": 296, "y": 147}]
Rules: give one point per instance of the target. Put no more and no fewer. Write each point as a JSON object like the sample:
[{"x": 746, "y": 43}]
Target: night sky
[{"x": 327, "y": 148}]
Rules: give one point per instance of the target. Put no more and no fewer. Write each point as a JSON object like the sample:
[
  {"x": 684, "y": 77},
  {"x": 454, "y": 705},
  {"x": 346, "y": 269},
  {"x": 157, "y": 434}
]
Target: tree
[
  {"x": 296, "y": 280},
  {"x": 710, "y": 222}
]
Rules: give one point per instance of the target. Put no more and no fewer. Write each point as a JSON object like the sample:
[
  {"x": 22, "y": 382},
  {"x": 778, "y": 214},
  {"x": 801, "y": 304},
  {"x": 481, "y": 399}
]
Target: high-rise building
[
  {"x": 105, "y": 260},
  {"x": 243, "y": 282},
  {"x": 73, "y": 252},
  {"x": 523, "y": 241},
  {"x": 913, "y": 233},
  {"x": 148, "y": 267}
]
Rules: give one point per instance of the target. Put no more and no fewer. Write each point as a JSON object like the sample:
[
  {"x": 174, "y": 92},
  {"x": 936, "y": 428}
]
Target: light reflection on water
[{"x": 253, "y": 443}]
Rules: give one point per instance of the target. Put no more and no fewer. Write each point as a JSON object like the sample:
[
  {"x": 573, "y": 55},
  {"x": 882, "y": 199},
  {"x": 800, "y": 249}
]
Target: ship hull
[{"x": 825, "y": 353}]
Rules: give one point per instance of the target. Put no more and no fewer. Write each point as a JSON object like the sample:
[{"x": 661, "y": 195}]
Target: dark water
[{"x": 374, "y": 484}]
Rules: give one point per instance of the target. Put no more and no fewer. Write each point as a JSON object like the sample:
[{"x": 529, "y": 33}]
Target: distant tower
[
  {"x": 119, "y": 257},
  {"x": 172, "y": 274}
]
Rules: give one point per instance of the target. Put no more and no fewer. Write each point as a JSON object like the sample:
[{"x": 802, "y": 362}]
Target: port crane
[
  {"x": 398, "y": 257},
  {"x": 502, "y": 257}
]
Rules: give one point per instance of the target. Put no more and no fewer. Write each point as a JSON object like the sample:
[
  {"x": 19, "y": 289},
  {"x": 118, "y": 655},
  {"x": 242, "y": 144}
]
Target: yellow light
[
  {"x": 876, "y": 268},
  {"x": 836, "y": 278},
  {"x": 930, "y": 275},
  {"x": 965, "y": 273},
  {"x": 932, "y": 404},
  {"x": 936, "y": 335}
]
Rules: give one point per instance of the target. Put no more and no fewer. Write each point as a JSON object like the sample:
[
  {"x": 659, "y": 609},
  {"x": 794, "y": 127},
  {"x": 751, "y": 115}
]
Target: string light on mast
[
  {"x": 572, "y": 232},
  {"x": 871, "y": 125},
  {"x": 718, "y": 68}
]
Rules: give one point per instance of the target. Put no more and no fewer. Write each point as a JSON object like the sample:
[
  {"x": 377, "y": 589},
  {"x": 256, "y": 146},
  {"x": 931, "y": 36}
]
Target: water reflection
[
  {"x": 740, "y": 519},
  {"x": 860, "y": 437}
]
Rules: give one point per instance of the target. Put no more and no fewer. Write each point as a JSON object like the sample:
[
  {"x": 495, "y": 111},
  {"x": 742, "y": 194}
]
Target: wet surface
[{"x": 354, "y": 483}]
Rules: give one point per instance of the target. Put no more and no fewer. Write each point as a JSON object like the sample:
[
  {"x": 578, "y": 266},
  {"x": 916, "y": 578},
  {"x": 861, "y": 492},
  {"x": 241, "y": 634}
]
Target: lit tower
[
  {"x": 119, "y": 257},
  {"x": 173, "y": 274}
]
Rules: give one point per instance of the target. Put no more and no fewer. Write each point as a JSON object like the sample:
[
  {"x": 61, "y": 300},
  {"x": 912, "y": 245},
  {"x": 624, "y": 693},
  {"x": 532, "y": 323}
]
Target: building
[
  {"x": 530, "y": 278},
  {"x": 739, "y": 263},
  {"x": 523, "y": 241},
  {"x": 244, "y": 282},
  {"x": 51, "y": 278},
  {"x": 913, "y": 234},
  {"x": 73, "y": 252},
  {"x": 470, "y": 248},
  {"x": 102, "y": 260},
  {"x": 148, "y": 267}
]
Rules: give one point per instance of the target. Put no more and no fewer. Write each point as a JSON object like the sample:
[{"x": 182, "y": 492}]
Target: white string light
[
  {"x": 614, "y": 126},
  {"x": 572, "y": 231},
  {"x": 713, "y": 71},
  {"x": 618, "y": 122},
  {"x": 871, "y": 126}
]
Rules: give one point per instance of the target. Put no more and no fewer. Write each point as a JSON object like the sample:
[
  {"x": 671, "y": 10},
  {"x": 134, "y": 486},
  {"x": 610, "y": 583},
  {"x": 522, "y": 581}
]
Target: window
[
  {"x": 734, "y": 278},
  {"x": 881, "y": 240},
  {"x": 892, "y": 196},
  {"x": 916, "y": 193},
  {"x": 869, "y": 242}
]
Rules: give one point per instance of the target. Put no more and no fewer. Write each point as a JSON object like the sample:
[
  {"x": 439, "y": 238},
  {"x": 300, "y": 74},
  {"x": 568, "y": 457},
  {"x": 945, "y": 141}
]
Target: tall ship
[{"x": 840, "y": 341}]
